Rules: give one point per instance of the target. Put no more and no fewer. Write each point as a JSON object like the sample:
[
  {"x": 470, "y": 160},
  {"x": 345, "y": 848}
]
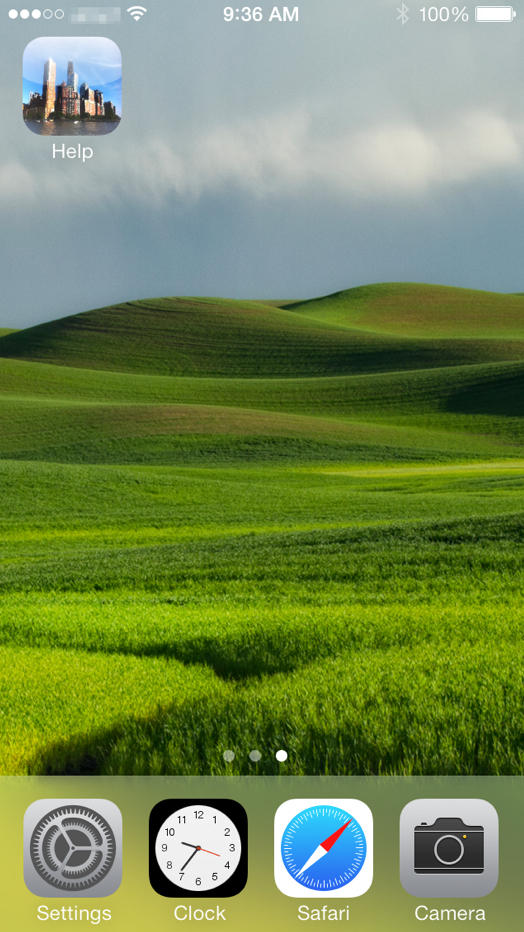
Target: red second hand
[{"x": 208, "y": 852}]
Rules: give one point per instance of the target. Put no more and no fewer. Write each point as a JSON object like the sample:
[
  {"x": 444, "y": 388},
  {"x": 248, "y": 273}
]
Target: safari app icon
[{"x": 323, "y": 848}]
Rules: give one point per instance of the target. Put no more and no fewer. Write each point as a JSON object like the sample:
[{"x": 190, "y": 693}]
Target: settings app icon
[{"x": 73, "y": 848}]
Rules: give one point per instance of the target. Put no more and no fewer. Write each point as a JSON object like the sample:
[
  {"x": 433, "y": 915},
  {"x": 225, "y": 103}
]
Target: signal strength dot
[{"x": 137, "y": 12}]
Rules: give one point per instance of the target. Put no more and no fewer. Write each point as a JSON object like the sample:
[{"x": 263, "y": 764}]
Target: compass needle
[{"x": 323, "y": 848}]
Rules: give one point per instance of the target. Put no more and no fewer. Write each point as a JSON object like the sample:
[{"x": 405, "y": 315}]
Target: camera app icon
[{"x": 449, "y": 847}]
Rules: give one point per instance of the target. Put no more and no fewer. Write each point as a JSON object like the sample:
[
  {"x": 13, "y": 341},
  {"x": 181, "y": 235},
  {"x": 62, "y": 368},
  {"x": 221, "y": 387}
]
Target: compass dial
[{"x": 323, "y": 848}]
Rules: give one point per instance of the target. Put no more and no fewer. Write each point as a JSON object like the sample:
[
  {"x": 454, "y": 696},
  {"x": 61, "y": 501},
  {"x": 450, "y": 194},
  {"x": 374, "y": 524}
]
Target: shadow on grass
[
  {"x": 190, "y": 738},
  {"x": 502, "y": 397},
  {"x": 281, "y": 649}
]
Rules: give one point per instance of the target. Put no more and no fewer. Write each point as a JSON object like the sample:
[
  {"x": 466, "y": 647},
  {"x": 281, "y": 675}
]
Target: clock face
[
  {"x": 198, "y": 847},
  {"x": 323, "y": 848}
]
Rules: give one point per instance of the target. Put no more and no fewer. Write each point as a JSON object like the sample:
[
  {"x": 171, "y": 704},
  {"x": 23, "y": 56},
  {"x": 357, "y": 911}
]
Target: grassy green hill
[
  {"x": 265, "y": 526},
  {"x": 415, "y": 310},
  {"x": 78, "y": 415},
  {"x": 212, "y": 337}
]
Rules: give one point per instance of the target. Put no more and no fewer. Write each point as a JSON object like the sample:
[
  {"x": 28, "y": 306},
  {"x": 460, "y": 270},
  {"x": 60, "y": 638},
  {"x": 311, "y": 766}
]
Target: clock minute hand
[
  {"x": 323, "y": 848},
  {"x": 190, "y": 858}
]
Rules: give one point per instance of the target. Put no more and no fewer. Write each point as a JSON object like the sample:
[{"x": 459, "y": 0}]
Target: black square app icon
[{"x": 198, "y": 847}]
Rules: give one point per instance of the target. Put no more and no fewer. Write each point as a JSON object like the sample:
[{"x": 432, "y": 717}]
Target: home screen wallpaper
[{"x": 261, "y": 443}]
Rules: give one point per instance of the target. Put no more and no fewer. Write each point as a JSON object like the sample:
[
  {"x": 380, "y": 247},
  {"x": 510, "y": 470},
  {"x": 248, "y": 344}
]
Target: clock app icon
[
  {"x": 323, "y": 848},
  {"x": 198, "y": 847}
]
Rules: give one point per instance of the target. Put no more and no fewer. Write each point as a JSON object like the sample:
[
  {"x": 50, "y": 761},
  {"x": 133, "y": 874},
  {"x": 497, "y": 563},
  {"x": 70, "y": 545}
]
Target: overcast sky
[{"x": 271, "y": 161}]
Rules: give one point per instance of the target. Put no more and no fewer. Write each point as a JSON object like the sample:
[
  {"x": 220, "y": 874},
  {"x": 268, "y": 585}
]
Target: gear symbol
[{"x": 72, "y": 848}]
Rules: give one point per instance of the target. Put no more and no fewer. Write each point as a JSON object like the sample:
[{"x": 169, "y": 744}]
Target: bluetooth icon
[{"x": 403, "y": 13}]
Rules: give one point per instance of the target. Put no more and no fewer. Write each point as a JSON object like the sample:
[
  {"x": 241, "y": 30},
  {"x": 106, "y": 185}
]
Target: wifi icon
[{"x": 137, "y": 12}]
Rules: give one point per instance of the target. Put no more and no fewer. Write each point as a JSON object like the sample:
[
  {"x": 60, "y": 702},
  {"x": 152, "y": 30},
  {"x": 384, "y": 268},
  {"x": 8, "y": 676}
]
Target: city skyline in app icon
[{"x": 72, "y": 86}]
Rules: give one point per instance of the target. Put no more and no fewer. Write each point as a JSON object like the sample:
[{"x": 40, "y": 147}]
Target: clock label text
[{"x": 187, "y": 912}]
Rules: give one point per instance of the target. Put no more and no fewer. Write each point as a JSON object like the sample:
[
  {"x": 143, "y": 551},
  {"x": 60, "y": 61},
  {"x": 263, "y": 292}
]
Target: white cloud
[{"x": 281, "y": 157}]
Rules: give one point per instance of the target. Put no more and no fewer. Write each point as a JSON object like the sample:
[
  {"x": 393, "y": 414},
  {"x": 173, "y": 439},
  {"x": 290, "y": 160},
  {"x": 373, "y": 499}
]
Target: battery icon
[{"x": 494, "y": 14}]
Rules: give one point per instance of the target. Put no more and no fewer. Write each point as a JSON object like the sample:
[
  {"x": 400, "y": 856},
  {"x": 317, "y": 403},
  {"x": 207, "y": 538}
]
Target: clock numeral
[
  {"x": 169, "y": 865},
  {"x": 231, "y": 847},
  {"x": 227, "y": 831},
  {"x": 198, "y": 881},
  {"x": 199, "y": 813},
  {"x": 181, "y": 875},
  {"x": 227, "y": 864},
  {"x": 214, "y": 876},
  {"x": 181, "y": 818},
  {"x": 164, "y": 847},
  {"x": 170, "y": 831}
]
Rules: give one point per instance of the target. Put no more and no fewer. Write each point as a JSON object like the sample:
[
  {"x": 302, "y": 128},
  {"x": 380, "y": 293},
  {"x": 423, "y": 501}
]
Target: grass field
[{"x": 237, "y": 525}]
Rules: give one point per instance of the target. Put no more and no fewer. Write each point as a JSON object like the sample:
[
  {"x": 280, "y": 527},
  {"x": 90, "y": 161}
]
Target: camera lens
[{"x": 448, "y": 850}]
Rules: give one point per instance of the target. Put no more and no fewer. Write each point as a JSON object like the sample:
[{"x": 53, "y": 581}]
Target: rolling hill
[
  {"x": 265, "y": 525},
  {"x": 382, "y": 328},
  {"x": 416, "y": 310},
  {"x": 181, "y": 380}
]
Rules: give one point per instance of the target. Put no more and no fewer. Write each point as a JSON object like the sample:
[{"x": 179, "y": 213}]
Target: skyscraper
[
  {"x": 49, "y": 89},
  {"x": 67, "y": 101},
  {"x": 72, "y": 77},
  {"x": 99, "y": 102},
  {"x": 87, "y": 100}
]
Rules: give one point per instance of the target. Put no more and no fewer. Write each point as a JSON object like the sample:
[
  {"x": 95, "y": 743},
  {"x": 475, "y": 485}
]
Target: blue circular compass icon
[{"x": 323, "y": 847}]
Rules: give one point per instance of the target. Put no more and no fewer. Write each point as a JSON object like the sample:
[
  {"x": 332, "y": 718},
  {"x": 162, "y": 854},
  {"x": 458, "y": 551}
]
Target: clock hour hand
[{"x": 197, "y": 848}]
